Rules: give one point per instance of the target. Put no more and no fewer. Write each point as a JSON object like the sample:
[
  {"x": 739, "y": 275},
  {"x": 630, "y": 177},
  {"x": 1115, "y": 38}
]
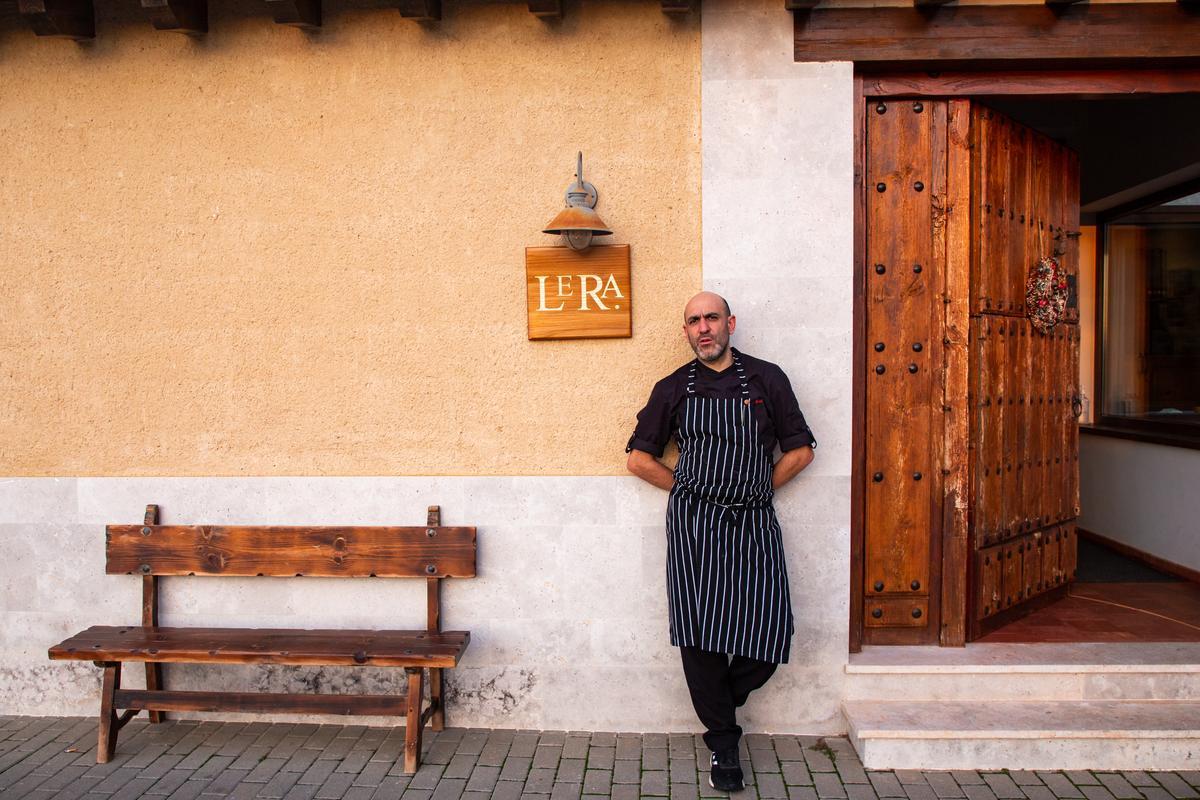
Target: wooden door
[
  {"x": 969, "y": 458},
  {"x": 1023, "y": 384}
]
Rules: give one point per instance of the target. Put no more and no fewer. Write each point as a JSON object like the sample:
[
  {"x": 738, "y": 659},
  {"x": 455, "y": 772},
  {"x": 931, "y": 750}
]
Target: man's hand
[
  {"x": 650, "y": 469},
  {"x": 790, "y": 464}
]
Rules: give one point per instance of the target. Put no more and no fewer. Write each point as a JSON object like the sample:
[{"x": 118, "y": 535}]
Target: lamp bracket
[{"x": 581, "y": 192}]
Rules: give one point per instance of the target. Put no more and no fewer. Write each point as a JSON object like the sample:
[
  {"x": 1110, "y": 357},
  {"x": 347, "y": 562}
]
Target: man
[{"x": 727, "y": 589}]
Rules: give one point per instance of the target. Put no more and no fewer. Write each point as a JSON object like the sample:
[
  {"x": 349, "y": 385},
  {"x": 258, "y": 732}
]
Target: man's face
[{"x": 707, "y": 326}]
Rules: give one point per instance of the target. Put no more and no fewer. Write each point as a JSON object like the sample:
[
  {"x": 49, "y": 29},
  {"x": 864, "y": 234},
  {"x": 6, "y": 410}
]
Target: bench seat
[{"x": 351, "y": 648}]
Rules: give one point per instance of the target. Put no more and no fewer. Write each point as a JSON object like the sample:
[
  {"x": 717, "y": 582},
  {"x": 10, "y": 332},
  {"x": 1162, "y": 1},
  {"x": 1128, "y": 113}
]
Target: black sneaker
[{"x": 726, "y": 775}]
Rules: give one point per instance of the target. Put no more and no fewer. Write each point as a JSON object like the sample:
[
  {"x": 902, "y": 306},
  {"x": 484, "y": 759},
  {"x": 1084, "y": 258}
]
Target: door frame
[{"x": 1070, "y": 83}]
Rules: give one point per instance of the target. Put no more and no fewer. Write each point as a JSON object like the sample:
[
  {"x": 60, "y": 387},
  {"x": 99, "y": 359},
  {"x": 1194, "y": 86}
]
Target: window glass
[{"x": 1152, "y": 314}]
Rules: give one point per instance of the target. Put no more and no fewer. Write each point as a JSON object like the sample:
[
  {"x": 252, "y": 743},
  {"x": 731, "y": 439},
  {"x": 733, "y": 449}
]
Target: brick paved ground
[{"x": 54, "y": 757}]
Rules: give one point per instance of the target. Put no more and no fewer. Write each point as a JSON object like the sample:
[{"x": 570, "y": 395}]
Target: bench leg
[
  {"x": 109, "y": 724},
  {"x": 412, "y": 725},
  {"x": 438, "y": 720},
  {"x": 154, "y": 681}
]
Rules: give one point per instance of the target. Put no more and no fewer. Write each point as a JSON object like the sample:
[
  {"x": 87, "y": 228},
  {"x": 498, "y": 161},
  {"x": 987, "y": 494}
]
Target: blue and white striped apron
[{"x": 727, "y": 586}]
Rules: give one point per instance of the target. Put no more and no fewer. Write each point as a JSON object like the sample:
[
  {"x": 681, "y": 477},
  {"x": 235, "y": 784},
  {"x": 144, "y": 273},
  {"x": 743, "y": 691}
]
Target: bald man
[{"x": 727, "y": 587}]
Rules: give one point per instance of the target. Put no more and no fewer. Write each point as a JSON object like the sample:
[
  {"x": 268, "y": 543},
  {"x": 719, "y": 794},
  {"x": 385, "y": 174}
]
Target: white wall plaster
[
  {"x": 1142, "y": 495},
  {"x": 567, "y": 616}
]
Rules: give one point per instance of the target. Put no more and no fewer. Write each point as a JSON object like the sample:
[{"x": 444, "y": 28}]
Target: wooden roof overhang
[
  {"x": 76, "y": 19},
  {"x": 931, "y": 35}
]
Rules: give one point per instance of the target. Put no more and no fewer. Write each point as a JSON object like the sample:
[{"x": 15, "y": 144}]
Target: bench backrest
[
  {"x": 281, "y": 551},
  {"x": 432, "y": 551}
]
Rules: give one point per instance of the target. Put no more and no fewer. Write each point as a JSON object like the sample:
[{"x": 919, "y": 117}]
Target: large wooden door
[
  {"x": 969, "y": 465},
  {"x": 1023, "y": 383}
]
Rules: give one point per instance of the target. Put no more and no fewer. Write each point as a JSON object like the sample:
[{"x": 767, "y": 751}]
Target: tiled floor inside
[{"x": 54, "y": 757}]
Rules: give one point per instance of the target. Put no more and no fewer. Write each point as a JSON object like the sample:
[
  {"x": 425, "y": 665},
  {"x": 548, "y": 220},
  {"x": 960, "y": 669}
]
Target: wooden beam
[
  {"x": 421, "y": 10},
  {"x": 547, "y": 9},
  {"x": 800, "y": 5},
  {"x": 183, "y": 16},
  {"x": 1009, "y": 36},
  {"x": 678, "y": 6},
  {"x": 1065, "y": 83},
  {"x": 300, "y": 13},
  {"x": 930, "y": 3},
  {"x": 67, "y": 19}
]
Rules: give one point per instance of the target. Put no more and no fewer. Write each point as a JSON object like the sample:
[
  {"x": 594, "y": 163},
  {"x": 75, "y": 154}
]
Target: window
[{"x": 1150, "y": 336}]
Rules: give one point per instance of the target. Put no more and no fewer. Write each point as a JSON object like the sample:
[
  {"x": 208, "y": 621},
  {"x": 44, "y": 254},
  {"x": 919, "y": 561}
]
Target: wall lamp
[{"x": 578, "y": 222}]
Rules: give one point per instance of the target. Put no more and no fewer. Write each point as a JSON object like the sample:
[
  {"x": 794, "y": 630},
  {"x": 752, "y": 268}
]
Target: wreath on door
[{"x": 1045, "y": 294}]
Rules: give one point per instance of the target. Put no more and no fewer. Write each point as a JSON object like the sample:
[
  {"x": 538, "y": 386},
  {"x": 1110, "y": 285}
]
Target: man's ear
[{"x": 732, "y": 323}]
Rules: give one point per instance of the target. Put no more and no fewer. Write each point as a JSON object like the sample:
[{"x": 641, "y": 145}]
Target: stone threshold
[{"x": 1083, "y": 657}]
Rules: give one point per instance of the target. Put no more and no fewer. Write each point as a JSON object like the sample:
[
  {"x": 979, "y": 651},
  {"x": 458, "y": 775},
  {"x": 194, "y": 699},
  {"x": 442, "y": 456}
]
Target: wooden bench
[{"x": 151, "y": 550}]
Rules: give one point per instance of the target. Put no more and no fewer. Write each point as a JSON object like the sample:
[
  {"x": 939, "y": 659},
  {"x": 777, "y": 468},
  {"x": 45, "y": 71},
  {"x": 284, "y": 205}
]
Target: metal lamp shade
[{"x": 577, "y": 218}]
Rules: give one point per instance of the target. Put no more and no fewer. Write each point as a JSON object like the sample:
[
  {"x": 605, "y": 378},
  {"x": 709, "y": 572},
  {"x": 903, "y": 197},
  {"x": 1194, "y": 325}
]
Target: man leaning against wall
[{"x": 728, "y": 602}]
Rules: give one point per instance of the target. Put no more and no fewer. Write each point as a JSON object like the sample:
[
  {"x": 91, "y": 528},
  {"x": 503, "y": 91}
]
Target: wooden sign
[{"x": 578, "y": 295}]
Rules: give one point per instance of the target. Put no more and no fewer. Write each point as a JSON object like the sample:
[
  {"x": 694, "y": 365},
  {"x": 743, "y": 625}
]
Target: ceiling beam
[
  {"x": 300, "y": 13},
  {"x": 183, "y": 16},
  {"x": 678, "y": 6},
  {"x": 421, "y": 10},
  {"x": 68, "y": 19},
  {"x": 547, "y": 9},
  {"x": 1002, "y": 36}
]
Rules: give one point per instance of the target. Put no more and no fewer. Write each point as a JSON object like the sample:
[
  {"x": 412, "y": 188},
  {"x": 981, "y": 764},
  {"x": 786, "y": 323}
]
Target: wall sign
[{"x": 578, "y": 294}]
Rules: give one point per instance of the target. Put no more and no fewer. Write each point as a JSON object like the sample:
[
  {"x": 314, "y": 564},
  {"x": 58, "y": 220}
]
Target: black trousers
[{"x": 719, "y": 685}]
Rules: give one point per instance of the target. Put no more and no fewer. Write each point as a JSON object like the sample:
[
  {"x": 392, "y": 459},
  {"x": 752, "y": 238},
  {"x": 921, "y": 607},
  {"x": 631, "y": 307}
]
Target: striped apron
[{"x": 727, "y": 586}]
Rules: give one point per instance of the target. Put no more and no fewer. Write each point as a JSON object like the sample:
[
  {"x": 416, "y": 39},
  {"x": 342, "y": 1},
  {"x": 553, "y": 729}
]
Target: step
[
  {"x": 988, "y": 672},
  {"x": 1106, "y": 734}
]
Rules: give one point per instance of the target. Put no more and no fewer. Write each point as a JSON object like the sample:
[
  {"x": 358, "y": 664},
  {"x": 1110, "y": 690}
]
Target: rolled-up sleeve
[
  {"x": 791, "y": 429},
  {"x": 653, "y": 429}
]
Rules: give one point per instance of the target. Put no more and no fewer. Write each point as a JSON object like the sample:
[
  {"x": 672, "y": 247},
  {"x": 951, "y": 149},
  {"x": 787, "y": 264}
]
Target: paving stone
[
  {"x": 771, "y": 785},
  {"x": 1060, "y": 784},
  {"x": 656, "y": 782},
  {"x": 654, "y": 740},
  {"x": 801, "y": 793},
  {"x": 1139, "y": 778},
  {"x": 1081, "y": 778},
  {"x": 1119, "y": 786},
  {"x": 336, "y": 785},
  {"x": 1003, "y": 786},
  {"x": 373, "y": 774},
  {"x": 507, "y": 790},
  {"x": 264, "y": 770},
  {"x": 628, "y": 747},
  {"x": 319, "y": 772},
  {"x": 851, "y": 770},
  {"x": 449, "y": 789},
  {"x": 250, "y": 757},
  {"x": 427, "y": 776},
  {"x": 886, "y": 784},
  {"x": 416, "y": 794},
  {"x": 461, "y": 766},
  {"x": 576, "y": 747},
  {"x": 982, "y": 792},
  {"x": 1038, "y": 793},
  {"x": 472, "y": 742},
  {"x": 828, "y": 785},
  {"x": 597, "y": 781},
  {"x": 907, "y": 776},
  {"x": 280, "y": 784},
  {"x": 684, "y": 791},
  {"x": 625, "y": 771},
  {"x": 1174, "y": 784},
  {"x": 921, "y": 791},
  {"x": 540, "y": 781},
  {"x": 570, "y": 770},
  {"x": 566, "y": 791},
  {"x": 656, "y": 758},
  {"x": 483, "y": 779},
  {"x": 169, "y": 782},
  {"x": 225, "y": 783},
  {"x": 390, "y": 788},
  {"x": 861, "y": 791},
  {"x": 600, "y": 757},
  {"x": 818, "y": 760},
  {"x": 116, "y": 780},
  {"x": 943, "y": 784},
  {"x": 1096, "y": 793},
  {"x": 547, "y": 756},
  {"x": 1190, "y": 775}
]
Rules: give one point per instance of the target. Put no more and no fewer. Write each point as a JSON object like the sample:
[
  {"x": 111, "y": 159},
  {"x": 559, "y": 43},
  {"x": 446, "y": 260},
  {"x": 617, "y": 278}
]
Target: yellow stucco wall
[{"x": 271, "y": 253}]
